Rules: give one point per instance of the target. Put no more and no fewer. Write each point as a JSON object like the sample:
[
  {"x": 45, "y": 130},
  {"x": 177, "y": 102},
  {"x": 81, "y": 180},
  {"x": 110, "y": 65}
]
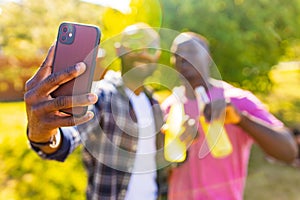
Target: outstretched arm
[{"x": 275, "y": 141}]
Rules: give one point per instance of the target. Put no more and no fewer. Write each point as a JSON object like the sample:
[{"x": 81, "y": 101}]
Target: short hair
[
  {"x": 200, "y": 39},
  {"x": 139, "y": 36}
]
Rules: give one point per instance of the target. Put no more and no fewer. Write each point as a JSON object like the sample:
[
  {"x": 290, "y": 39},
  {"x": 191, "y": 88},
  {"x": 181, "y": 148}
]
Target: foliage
[
  {"x": 29, "y": 27},
  {"x": 247, "y": 37},
  {"x": 26, "y": 176},
  {"x": 286, "y": 82},
  {"x": 114, "y": 22},
  {"x": 147, "y": 11}
]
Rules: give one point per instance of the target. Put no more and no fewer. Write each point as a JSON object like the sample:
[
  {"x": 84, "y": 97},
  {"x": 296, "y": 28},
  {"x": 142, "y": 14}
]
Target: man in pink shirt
[{"x": 201, "y": 175}]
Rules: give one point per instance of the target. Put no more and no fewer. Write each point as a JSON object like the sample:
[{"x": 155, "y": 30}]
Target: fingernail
[
  {"x": 90, "y": 114},
  {"x": 80, "y": 67},
  {"x": 191, "y": 122},
  {"x": 92, "y": 98}
]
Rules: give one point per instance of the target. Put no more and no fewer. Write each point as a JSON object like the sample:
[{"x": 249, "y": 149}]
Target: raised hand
[{"x": 43, "y": 115}]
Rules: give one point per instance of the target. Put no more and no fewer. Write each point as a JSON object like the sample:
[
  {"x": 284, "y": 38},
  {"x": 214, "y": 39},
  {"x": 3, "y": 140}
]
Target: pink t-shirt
[{"x": 205, "y": 177}]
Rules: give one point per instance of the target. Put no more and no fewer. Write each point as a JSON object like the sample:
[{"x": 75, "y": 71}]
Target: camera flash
[{"x": 70, "y": 34}]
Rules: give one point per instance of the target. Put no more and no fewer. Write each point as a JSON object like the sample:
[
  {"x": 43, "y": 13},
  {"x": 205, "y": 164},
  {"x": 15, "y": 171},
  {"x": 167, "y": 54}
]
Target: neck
[{"x": 136, "y": 87}]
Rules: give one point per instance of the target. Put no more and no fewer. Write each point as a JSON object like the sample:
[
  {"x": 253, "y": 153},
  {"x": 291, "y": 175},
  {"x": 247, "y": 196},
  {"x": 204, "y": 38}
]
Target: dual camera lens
[{"x": 66, "y": 33}]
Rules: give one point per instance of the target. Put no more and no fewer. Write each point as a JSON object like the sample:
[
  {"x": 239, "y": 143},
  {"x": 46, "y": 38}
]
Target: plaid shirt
[{"x": 110, "y": 141}]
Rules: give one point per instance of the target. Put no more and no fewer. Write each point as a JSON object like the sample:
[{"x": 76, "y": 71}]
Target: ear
[{"x": 172, "y": 60}]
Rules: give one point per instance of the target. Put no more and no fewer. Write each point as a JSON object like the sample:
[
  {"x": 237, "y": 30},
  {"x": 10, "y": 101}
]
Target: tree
[
  {"x": 247, "y": 37},
  {"x": 29, "y": 27}
]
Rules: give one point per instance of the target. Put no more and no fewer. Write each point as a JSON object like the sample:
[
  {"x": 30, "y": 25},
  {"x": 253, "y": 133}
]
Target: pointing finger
[{"x": 43, "y": 72}]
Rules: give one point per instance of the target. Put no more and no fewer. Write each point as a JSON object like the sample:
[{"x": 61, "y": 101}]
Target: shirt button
[
  {"x": 123, "y": 192},
  {"x": 134, "y": 147}
]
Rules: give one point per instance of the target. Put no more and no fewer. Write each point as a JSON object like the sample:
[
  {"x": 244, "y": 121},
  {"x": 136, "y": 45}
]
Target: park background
[{"x": 255, "y": 45}]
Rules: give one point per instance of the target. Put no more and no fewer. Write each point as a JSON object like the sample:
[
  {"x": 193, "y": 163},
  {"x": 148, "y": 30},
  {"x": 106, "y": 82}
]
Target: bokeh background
[{"x": 255, "y": 45}]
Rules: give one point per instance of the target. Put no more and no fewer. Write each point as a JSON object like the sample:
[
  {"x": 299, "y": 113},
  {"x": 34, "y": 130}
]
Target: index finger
[
  {"x": 44, "y": 70},
  {"x": 53, "y": 81}
]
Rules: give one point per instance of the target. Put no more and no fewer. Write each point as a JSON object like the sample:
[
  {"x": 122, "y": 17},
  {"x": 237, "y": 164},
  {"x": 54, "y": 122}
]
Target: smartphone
[{"x": 76, "y": 43}]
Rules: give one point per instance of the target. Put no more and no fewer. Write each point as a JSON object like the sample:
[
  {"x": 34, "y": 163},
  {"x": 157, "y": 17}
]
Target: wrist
[
  {"x": 37, "y": 136},
  {"x": 52, "y": 142}
]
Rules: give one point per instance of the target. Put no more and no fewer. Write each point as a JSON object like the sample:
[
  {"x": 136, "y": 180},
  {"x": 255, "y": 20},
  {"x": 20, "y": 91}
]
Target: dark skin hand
[
  {"x": 277, "y": 142},
  {"x": 190, "y": 131},
  {"x": 43, "y": 115}
]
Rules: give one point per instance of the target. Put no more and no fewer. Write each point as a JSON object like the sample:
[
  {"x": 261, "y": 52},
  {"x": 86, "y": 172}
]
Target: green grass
[
  {"x": 23, "y": 175},
  {"x": 275, "y": 181}
]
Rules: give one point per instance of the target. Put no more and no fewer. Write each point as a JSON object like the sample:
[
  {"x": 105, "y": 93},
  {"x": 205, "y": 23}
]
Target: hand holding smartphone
[{"x": 76, "y": 43}]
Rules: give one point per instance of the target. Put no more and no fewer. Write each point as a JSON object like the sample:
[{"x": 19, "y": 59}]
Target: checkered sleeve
[{"x": 73, "y": 136}]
